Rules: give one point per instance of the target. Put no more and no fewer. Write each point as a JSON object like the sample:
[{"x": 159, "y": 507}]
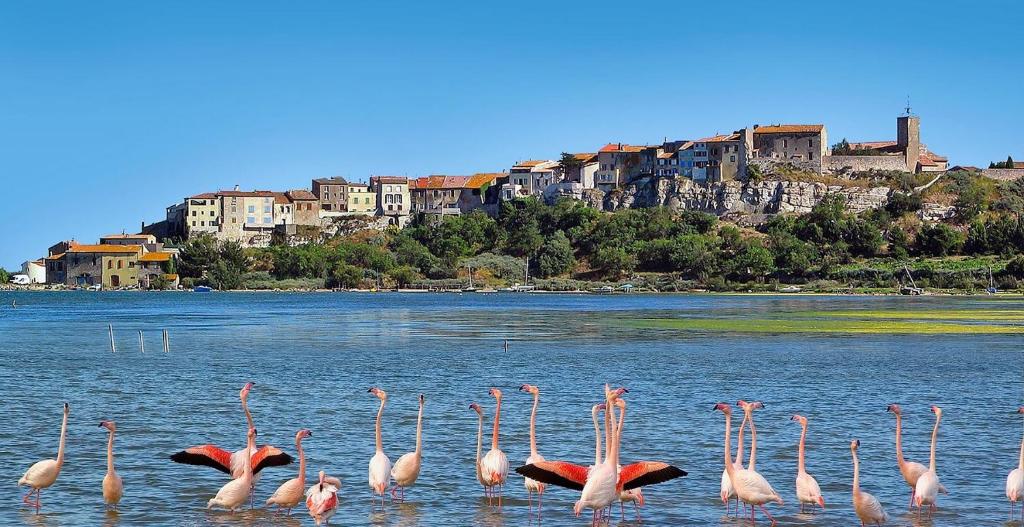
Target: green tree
[
  {"x": 900, "y": 204},
  {"x": 694, "y": 255},
  {"x": 754, "y": 262},
  {"x": 939, "y": 239},
  {"x": 404, "y": 275},
  {"x": 791, "y": 254},
  {"x": 555, "y": 256},
  {"x": 4, "y": 276},
  {"x": 899, "y": 243},
  {"x": 1015, "y": 267},
  {"x": 521, "y": 227},
  {"x": 613, "y": 261},
  {"x": 198, "y": 256},
  {"x": 570, "y": 165},
  {"x": 344, "y": 276}
]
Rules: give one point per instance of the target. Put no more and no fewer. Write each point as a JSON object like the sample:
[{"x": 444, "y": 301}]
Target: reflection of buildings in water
[{"x": 408, "y": 514}]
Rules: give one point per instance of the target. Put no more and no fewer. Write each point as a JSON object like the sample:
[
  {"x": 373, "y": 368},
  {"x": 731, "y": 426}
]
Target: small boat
[
  {"x": 791, "y": 289},
  {"x": 991, "y": 289},
  {"x": 202, "y": 289},
  {"x": 517, "y": 288},
  {"x": 606, "y": 290},
  {"x": 94, "y": 287}
]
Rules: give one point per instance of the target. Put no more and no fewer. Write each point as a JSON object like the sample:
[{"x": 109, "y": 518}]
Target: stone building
[
  {"x": 911, "y": 154},
  {"x": 332, "y": 193},
  {"x": 727, "y": 155},
  {"x": 202, "y": 214},
  {"x": 795, "y": 142},
  {"x": 112, "y": 266},
  {"x": 582, "y": 173},
  {"x": 305, "y": 209},
  {"x": 454, "y": 194},
  {"x": 618, "y": 164}
]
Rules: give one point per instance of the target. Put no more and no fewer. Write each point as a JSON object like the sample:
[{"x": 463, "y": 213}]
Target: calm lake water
[{"x": 313, "y": 356}]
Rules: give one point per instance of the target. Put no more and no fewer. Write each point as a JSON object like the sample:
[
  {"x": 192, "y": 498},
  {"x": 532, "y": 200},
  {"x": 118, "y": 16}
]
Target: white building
[
  {"x": 35, "y": 270},
  {"x": 533, "y": 176}
]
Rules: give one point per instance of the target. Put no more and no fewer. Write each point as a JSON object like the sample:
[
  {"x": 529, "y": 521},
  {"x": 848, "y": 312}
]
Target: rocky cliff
[{"x": 738, "y": 199}]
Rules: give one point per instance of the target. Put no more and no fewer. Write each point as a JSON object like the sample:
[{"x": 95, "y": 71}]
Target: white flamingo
[
  {"x": 290, "y": 493},
  {"x": 532, "y": 485},
  {"x": 727, "y": 492},
  {"x": 407, "y": 468},
  {"x": 43, "y": 474},
  {"x": 1015, "y": 480},
  {"x": 807, "y": 489},
  {"x": 494, "y": 465},
  {"x": 236, "y": 492},
  {"x": 379, "y": 473},
  {"x": 927, "y": 490},
  {"x": 751, "y": 487},
  {"x": 322, "y": 499},
  {"x": 113, "y": 487},
  {"x": 867, "y": 507}
]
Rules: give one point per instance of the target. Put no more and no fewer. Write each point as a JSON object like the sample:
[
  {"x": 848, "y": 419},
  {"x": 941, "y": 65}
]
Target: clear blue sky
[{"x": 110, "y": 111}]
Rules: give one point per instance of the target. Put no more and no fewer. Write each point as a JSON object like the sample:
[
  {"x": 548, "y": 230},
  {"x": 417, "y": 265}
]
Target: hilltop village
[{"x": 745, "y": 177}]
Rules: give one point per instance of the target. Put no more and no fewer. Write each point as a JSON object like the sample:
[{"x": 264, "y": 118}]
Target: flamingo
[
  {"x": 576, "y": 477},
  {"x": 1015, "y": 480},
  {"x": 748, "y": 418},
  {"x": 322, "y": 499},
  {"x": 289, "y": 494},
  {"x": 727, "y": 492},
  {"x": 407, "y": 468},
  {"x": 751, "y": 487},
  {"x": 479, "y": 448},
  {"x": 533, "y": 485},
  {"x": 43, "y": 474},
  {"x": 807, "y": 489},
  {"x": 233, "y": 463},
  {"x": 113, "y": 488},
  {"x": 927, "y": 490},
  {"x": 379, "y": 474},
  {"x": 494, "y": 465},
  {"x": 910, "y": 470},
  {"x": 599, "y": 490},
  {"x": 865, "y": 505},
  {"x": 236, "y": 492}
]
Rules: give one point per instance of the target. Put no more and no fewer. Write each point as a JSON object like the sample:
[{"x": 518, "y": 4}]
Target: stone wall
[
  {"x": 1003, "y": 174},
  {"x": 849, "y": 164},
  {"x": 768, "y": 165},
  {"x": 734, "y": 198}
]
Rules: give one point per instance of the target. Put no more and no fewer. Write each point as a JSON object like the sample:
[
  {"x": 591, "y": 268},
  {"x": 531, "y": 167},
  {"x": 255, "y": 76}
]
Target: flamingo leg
[
  {"x": 25, "y": 499},
  {"x": 39, "y": 493},
  {"x": 766, "y": 513},
  {"x": 636, "y": 508},
  {"x": 540, "y": 498}
]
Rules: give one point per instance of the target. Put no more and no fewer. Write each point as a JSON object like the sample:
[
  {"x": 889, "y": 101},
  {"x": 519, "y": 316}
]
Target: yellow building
[
  {"x": 152, "y": 266},
  {"x": 113, "y": 266},
  {"x": 361, "y": 200}
]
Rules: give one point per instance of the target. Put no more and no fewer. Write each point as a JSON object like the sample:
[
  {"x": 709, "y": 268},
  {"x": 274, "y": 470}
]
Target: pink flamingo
[
  {"x": 322, "y": 499},
  {"x": 290, "y": 493},
  {"x": 43, "y": 474}
]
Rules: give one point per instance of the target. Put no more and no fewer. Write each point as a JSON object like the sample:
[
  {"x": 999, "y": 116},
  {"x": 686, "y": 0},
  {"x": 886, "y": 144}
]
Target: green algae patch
[
  {"x": 827, "y": 325},
  {"x": 964, "y": 315}
]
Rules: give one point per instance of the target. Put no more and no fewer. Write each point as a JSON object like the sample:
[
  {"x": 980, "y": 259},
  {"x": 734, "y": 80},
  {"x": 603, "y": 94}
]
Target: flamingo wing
[
  {"x": 560, "y": 473},
  {"x": 646, "y": 473},
  {"x": 268, "y": 456},
  {"x": 205, "y": 455}
]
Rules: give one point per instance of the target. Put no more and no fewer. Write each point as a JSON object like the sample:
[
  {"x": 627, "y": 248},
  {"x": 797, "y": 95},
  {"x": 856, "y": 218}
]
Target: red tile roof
[
  {"x": 453, "y": 182},
  {"x": 619, "y": 147},
  {"x": 301, "y": 195},
  {"x": 719, "y": 138},
  {"x": 789, "y": 129},
  {"x": 106, "y": 249},
  {"x": 204, "y": 195},
  {"x": 246, "y": 194},
  {"x": 155, "y": 257},
  {"x": 586, "y": 157}
]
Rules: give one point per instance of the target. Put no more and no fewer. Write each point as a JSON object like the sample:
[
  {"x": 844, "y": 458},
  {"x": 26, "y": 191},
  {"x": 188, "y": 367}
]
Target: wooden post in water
[
  {"x": 110, "y": 329},
  {"x": 506, "y": 345},
  {"x": 167, "y": 343},
  {"x": 142, "y": 343}
]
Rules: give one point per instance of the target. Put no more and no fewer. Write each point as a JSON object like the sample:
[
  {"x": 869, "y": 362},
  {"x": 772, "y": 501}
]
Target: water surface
[{"x": 313, "y": 356}]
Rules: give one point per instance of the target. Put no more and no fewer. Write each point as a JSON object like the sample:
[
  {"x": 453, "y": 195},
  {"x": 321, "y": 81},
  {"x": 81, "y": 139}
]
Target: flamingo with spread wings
[
  {"x": 233, "y": 463},
  {"x": 577, "y": 477}
]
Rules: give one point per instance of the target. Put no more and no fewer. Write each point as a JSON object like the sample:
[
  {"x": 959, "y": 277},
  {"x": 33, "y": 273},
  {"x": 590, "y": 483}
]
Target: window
[
  {"x": 131, "y": 264},
  {"x": 810, "y": 143},
  {"x": 120, "y": 264},
  {"x": 252, "y": 209},
  {"x": 234, "y": 220},
  {"x": 234, "y": 208},
  {"x": 110, "y": 264},
  {"x": 193, "y": 214},
  {"x": 267, "y": 219},
  {"x": 785, "y": 143},
  {"x": 810, "y": 156},
  {"x": 211, "y": 213},
  {"x": 193, "y": 223},
  {"x": 250, "y": 219},
  {"x": 732, "y": 159},
  {"x": 267, "y": 209},
  {"x": 203, "y": 223},
  {"x": 366, "y": 201}
]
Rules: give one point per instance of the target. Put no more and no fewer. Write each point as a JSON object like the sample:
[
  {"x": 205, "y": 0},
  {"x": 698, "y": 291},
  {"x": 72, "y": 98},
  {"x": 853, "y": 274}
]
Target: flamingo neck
[
  {"x": 856, "y": 473},
  {"x": 60, "y": 446},
  {"x": 935, "y": 438},
  {"x": 380, "y": 414},
  {"x": 608, "y": 417},
  {"x": 1020, "y": 462},
  {"x": 110, "y": 453},
  {"x": 597, "y": 438},
  {"x": 800, "y": 453},
  {"x": 247, "y": 458},
  {"x": 739, "y": 443},
  {"x": 479, "y": 441},
  {"x": 497, "y": 421},
  {"x": 753, "y": 442},
  {"x": 899, "y": 442},
  {"x": 419, "y": 431},
  {"x": 248, "y": 414},
  {"x": 302, "y": 460},
  {"x": 533, "y": 424},
  {"x": 729, "y": 467},
  {"x": 618, "y": 433}
]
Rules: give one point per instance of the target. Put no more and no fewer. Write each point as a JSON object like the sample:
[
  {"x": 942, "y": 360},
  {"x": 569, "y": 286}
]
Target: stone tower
[{"x": 908, "y": 137}]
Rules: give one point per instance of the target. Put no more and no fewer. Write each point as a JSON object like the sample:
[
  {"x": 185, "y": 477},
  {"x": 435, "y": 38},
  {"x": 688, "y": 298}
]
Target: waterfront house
[
  {"x": 533, "y": 176},
  {"x": 55, "y": 270},
  {"x": 35, "y": 270},
  {"x": 152, "y": 266},
  {"x": 112, "y": 266},
  {"x": 455, "y": 194}
]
